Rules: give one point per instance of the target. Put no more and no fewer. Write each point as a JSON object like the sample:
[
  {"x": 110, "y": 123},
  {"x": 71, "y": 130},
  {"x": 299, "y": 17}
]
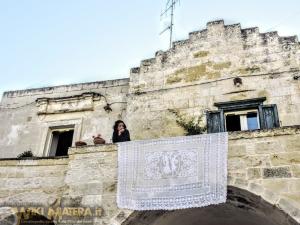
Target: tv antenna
[{"x": 170, "y": 7}]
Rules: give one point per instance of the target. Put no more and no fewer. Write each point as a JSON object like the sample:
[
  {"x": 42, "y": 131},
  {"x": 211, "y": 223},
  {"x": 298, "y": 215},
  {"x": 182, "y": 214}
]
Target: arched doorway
[{"x": 241, "y": 208}]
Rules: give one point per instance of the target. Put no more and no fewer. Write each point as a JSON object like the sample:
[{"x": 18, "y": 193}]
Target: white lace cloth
[{"x": 172, "y": 173}]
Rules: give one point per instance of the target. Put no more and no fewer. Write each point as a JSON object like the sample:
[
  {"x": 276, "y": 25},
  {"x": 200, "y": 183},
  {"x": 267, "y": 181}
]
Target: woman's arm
[
  {"x": 128, "y": 135},
  {"x": 114, "y": 137}
]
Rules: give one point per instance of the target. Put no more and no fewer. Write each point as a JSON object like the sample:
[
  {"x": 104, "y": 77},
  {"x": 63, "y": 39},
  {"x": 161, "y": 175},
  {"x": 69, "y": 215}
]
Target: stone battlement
[{"x": 217, "y": 31}]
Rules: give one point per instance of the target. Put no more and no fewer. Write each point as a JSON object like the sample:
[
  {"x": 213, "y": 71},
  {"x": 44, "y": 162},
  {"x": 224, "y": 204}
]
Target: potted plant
[
  {"x": 80, "y": 143},
  {"x": 25, "y": 154},
  {"x": 98, "y": 139}
]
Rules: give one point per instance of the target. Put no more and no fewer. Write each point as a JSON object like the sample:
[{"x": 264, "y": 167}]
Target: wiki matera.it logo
[{"x": 44, "y": 215}]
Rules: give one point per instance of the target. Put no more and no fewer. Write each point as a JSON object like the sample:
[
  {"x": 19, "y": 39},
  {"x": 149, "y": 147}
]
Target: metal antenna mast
[{"x": 170, "y": 7}]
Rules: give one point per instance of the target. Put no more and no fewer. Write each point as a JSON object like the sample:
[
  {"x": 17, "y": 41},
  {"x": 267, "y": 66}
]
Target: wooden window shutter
[
  {"x": 215, "y": 121},
  {"x": 268, "y": 116}
]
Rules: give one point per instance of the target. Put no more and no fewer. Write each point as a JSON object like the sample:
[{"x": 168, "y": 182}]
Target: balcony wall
[{"x": 265, "y": 163}]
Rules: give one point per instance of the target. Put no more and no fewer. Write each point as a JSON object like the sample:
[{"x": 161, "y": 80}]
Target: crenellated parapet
[
  {"x": 243, "y": 46},
  {"x": 197, "y": 72}
]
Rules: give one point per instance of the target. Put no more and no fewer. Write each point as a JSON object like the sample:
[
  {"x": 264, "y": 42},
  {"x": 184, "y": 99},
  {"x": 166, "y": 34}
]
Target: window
[
  {"x": 61, "y": 139},
  {"x": 73, "y": 125},
  {"x": 248, "y": 114},
  {"x": 242, "y": 120}
]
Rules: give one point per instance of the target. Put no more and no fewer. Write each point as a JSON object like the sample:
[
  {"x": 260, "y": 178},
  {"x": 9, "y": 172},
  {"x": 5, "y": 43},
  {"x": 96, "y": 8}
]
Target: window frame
[
  {"x": 240, "y": 104},
  {"x": 46, "y": 133},
  {"x": 244, "y": 114},
  {"x": 267, "y": 114},
  {"x": 50, "y": 150}
]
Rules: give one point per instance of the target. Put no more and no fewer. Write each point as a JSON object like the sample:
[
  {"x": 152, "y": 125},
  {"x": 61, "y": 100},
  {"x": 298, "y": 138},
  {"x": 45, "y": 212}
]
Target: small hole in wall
[
  {"x": 237, "y": 81},
  {"x": 296, "y": 77},
  {"x": 107, "y": 108},
  {"x": 29, "y": 118}
]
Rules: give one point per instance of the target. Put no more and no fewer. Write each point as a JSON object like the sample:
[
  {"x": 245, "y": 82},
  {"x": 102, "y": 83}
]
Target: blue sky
[{"x": 54, "y": 42}]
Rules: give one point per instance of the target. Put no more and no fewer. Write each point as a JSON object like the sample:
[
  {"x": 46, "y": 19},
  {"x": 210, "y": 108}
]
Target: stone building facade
[{"x": 222, "y": 78}]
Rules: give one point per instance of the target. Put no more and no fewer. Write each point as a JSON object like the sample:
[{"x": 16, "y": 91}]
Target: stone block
[
  {"x": 30, "y": 197},
  {"x": 241, "y": 183},
  {"x": 296, "y": 171},
  {"x": 109, "y": 205},
  {"x": 254, "y": 173},
  {"x": 92, "y": 200},
  {"x": 230, "y": 180},
  {"x": 292, "y": 144},
  {"x": 236, "y": 150},
  {"x": 268, "y": 147},
  {"x": 270, "y": 196},
  {"x": 237, "y": 174},
  {"x": 3, "y": 173},
  {"x": 289, "y": 158},
  {"x": 277, "y": 186},
  {"x": 33, "y": 183},
  {"x": 236, "y": 163},
  {"x": 95, "y": 188},
  {"x": 4, "y": 193},
  {"x": 256, "y": 188},
  {"x": 293, "y": 196},
  {"x": 277, "y": 172},
  {"x": 294, "y": 185},
  {"x": 74, "y": 201},
  {"x": 110, "y": 187},
  {"x": 257, "y": 161}
]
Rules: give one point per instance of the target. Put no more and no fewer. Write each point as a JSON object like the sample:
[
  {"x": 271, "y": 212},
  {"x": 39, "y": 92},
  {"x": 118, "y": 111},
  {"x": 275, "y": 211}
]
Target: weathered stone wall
[
  {"x": 266, "y": 163},
  {"x": 190, "y": 77},
  {"x": 25, "y": 123},
  {"x": 92, "y": 177},
  {"x": 198, "y": 72},
  {"x": 32, "y": 181}
]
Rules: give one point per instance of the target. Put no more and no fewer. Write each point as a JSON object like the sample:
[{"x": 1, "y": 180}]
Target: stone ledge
[
  {"x": 35, "y": 161},
  {"x": 280, "y": 131},
  {"x": 93, "y": 148},
  {"x": 35, "y": 91}
]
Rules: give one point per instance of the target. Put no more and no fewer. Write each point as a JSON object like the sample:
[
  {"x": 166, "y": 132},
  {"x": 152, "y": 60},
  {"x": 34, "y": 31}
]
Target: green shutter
[
  {"x": 215, "y": 121},
  {"x": 268, "y": 116}
]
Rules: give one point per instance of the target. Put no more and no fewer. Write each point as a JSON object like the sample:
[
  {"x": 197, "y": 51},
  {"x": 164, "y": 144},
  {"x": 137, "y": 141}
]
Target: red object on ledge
[
  {"x": 98, "y": 140},
  {"x": 80, "y": 143}
]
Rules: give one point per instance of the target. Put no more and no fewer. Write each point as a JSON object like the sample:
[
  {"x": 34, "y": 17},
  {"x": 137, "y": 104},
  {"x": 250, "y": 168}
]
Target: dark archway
[
  {"x": 35, "y": 220},
  {"x": 241, "y": 208},
  {"x": 20, "y": 219}
]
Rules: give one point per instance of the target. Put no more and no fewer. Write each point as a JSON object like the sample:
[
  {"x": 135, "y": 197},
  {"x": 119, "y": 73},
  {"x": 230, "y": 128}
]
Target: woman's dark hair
[
  {"x": 117, "y": 124},
  {"x": 124, "y": 136}
]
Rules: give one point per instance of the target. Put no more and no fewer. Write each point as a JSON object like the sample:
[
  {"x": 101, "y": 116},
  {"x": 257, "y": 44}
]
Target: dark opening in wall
[
  {"x": 233, "y": 123},
  {"x": 36, "y": 220},
  {"x": 61, "y": 141},
  {"x": 242, "y": 120}
]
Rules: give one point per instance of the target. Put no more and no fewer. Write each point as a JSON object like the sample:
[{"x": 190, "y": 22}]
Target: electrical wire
[{"x": 32, "y": 103}]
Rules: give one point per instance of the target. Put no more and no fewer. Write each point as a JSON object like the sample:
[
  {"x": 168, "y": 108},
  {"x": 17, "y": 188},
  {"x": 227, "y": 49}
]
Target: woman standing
[{"x": 120, "y": 133}]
